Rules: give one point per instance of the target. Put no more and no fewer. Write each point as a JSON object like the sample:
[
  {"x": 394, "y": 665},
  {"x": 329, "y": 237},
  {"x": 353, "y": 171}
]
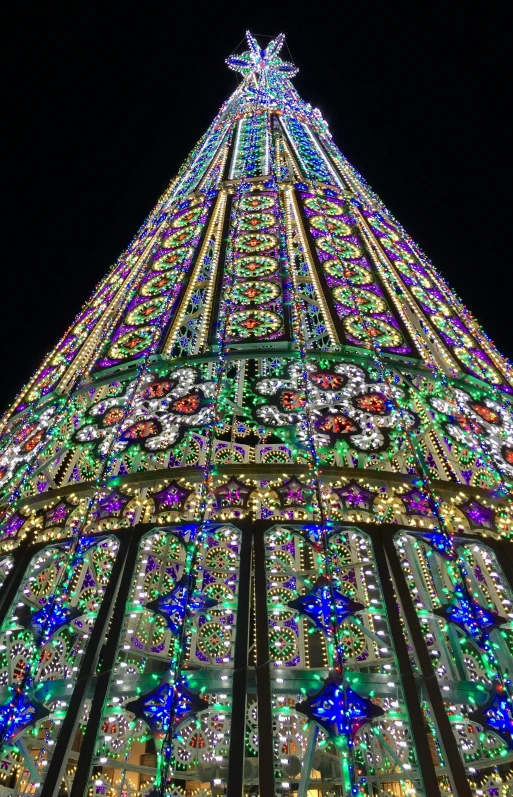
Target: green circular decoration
[
  {"x": 339, "y": 247},
  {"x": 254, "y": 292},
  {"x": 409, "y": 272},
  {"x": 255, "y": 242},
  {"x": 179, "y": 238},
  {"x": 283, "y": 643},
  {"x": 256, "y": 202},
  {"x": 131, "y": 343},
  {"x": 146, "y": 311},
  {"x": 174, "y": 259},
  {"x": 352, "y": 273},
  {"x": 403, "y": 254},
  {"x": 257, "y": 221},
  {"x": 211, "y": 639},
  {"x": 330, "y": 226},
  {"x": 277, "y": 599},
  {"x": 373, "y": 330},
  {"x": 189, "y": 217},
  {"x": 365, "y": 301},
  {"x": 324, "y": 206},
  {"x": 352, "y": 638},
  {"x": 430, "y": 301},
  {"x": 158, "y": 284},
  {"x": 259, "y": 266},
  {"x": 380, "y": 225},
  {"x": 219, "y": 558},
  {"x": 253, "y": 323}
]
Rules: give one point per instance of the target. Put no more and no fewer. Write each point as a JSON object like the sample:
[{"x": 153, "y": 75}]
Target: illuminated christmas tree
[{"x": 256, "y": 504}]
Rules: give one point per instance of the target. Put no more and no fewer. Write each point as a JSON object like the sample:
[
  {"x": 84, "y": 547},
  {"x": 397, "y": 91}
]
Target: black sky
[{"x": 103, "y": 101}]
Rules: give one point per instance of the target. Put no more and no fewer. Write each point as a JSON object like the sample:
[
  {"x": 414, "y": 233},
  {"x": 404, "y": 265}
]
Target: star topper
[{"x": 257, "y": 60}]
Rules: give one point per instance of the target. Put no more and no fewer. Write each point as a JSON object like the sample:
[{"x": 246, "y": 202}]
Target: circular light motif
[
  {"x": 356, "y": 275},
  {"x": 255, "y": 292},
  {"x": 211, "y": 640},
  {"x": 146, "y": 311},
  {"x": 253, "y": 323},
  {"x": 179, "y": 238},
  {"x": 257, "y": 221},
  {"x": 256, "y": 202},
  {"x": 174, "y": 259},
  {"x": 412, "y": 274},
  {"x": 366, "y": 301},
  {"x": 256, "y": 242},
  {"x": 380, "y": 225},
  {"x": 339, "y": 247},
  {"x": 330, "y": 225},
  {"x": 431, "y": 302},
  {"x": 131, "y": 343},
  {"x": 186, "y": 218},
  {"x": 401, "y": 252},
  {"x": 255, "y": 266},
  {"x": 373, "y": 330},
  {"x": 352, "y": 638},
  {"x": 330, "y": 208},
  {"x": 283, "y": 643},
  {"x": 158, "y": 284}
]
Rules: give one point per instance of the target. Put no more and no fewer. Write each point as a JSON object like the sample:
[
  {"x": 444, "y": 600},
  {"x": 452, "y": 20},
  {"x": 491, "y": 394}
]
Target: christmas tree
[{"x": 256, "y": 504}]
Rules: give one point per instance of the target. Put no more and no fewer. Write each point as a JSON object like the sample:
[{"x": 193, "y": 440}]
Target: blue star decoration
[
  {"x": 440, "y": 543},
  {"x": 165, "y": 702},
  {"x": 172, "y": 607},
  {"x": 496, "y": 715},
  {"x": 324, "y": 606},
  {"x": 469, "y": 615},
  {"x": 339, "y": 711},
  {"x": 50, "y": 619},
  {"x": 256, "y": 60},
  {"x": 17, "y": 715}
]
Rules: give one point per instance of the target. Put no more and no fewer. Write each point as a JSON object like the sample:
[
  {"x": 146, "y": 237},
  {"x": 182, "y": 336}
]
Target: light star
[{"x": 257, "y": 60}]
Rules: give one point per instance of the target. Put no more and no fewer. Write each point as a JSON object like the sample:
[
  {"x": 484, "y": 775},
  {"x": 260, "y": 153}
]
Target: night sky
[{"x": 103, "y": 101}]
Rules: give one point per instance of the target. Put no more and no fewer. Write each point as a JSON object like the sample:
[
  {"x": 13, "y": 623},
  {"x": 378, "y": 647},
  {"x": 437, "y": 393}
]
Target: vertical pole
[
  {"x": 263, "y": 675},
  {"x": 454, "y": 763},
  {"x": 240, "y": 664}
]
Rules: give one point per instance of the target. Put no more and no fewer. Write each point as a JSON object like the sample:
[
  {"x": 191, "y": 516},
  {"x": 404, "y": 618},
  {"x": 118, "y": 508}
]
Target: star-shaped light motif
[{"x": 257, "y": 60}]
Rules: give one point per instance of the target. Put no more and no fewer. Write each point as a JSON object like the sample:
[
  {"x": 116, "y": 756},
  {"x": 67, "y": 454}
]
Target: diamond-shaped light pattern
[
  {"x": 339, "y": 710},
  {"x": 325, "y": 606}
]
